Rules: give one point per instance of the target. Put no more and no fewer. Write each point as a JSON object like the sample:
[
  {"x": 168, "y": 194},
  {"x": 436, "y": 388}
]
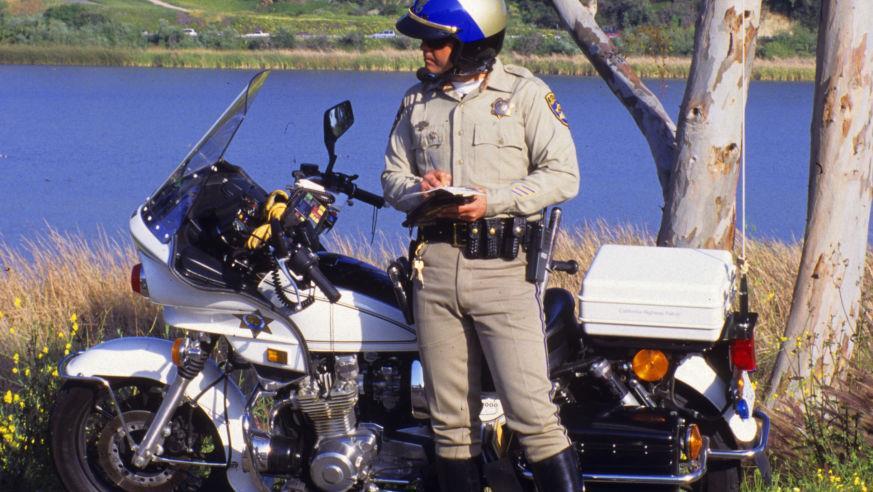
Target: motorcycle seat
[{"x": 562, "y": 331}]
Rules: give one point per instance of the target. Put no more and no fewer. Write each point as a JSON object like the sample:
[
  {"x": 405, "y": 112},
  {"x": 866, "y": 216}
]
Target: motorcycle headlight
[{"x": 650, "y": 365}]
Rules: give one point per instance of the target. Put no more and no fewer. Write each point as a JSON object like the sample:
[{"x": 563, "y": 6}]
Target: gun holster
[
  {"x": 537, "y": 253},
  {"x": 399, "y": 272}
]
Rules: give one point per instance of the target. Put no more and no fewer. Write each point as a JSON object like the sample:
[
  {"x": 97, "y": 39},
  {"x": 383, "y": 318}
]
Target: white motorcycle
[{"x": 299, "y": 367}]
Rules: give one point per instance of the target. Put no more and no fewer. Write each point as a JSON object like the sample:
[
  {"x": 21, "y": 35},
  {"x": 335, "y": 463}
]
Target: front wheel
[{"x": 91, "y": 452}]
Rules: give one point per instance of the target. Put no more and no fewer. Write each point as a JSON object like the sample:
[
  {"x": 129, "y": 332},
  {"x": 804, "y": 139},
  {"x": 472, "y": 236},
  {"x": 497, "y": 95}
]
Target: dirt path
[{"x": 159, "y": 3}]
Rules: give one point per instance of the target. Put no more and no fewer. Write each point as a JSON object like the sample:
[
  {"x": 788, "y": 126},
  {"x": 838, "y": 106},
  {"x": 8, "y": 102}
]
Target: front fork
[{"x": 190, "y": 355}]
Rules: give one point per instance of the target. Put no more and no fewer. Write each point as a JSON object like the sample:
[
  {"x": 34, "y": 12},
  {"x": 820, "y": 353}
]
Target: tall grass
[
  {"x": 61, "y": 293},
  {"x": 372, "y": 60}
]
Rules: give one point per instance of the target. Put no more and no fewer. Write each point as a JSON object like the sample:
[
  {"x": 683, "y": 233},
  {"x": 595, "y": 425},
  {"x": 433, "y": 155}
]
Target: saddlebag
[
  {"x": 657, "y": 293},
  {"x": 639, "y": 441}
]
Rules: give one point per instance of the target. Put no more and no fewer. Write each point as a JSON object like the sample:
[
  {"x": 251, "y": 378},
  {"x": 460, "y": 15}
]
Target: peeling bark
[
  {"x": 645, "y": 108},
  {"x": 826, "y": 303},
  {"x": 710, "y": 128}
]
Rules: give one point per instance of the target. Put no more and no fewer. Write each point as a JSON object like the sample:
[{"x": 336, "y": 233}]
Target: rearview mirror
[{"x": 337, "y": 120}]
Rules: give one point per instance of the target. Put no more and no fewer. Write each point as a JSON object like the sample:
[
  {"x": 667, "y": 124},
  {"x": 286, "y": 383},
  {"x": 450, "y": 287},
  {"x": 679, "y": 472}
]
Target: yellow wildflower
[
  {"x": 7, "y": 398},
  {"x": 14, "y": 370},
  {"x": 68, "y": 346},
  {"x": 45, "y": 349},
  {"x": 16, "y": 397},
  {"x": 783, "y": 339},
  {"x": 15, "y": 357},
  {"x": 17, "y": 302},
  {"x": 21, "y": 404},
  {"x": 857, "y": 481},
  {"x": 795, "y": 489},
  {"x": 27, "y": 372},
  {"x": 73, "y": 318},
  {"x": 61, "y": 334},
  {"x": 11, "y": 330},
  {"x": 55, "y": 373},
  {"x": 39, "y": 356}
]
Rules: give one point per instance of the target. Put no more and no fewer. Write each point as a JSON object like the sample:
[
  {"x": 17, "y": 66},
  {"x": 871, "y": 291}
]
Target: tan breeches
[{"x": 468, "y": 308}]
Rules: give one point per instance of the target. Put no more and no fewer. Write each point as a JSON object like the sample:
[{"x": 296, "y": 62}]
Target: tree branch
[{"x": 645, "y": 108}]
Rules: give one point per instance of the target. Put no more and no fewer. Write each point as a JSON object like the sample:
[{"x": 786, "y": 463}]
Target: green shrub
[
  {"x": 283, "y": 39},
  {"x": 352, "y": 41},
  {"x": 800, "y": 42},
  {"x": 75, "y": 15},
  {"x": 320, "y": 43}
]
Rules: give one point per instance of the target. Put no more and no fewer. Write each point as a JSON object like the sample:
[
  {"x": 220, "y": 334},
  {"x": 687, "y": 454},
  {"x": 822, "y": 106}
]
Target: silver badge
[{"x": 500, "y": 108}]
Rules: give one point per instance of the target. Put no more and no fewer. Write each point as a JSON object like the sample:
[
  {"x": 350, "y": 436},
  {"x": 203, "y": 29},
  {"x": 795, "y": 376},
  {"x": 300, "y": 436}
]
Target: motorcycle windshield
[{"x": 165, "y": 209}]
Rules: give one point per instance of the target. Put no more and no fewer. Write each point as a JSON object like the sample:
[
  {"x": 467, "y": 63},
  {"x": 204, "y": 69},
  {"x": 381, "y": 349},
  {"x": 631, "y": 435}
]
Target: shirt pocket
[
  {"x": 499, "y": 151},
  {"x": 429, "y": 145}
]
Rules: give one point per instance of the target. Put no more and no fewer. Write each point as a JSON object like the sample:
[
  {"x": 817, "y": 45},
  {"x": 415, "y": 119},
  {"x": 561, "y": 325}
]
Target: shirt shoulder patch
[{"x": 556, "y": 109}]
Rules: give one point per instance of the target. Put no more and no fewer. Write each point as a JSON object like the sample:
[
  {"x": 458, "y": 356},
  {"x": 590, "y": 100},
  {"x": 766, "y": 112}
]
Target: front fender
[
  {"x": 149, "y": 358},
  {"x": 697, "y": 374}
]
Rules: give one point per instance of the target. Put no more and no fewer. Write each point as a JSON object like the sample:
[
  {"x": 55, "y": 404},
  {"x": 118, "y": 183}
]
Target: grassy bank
[
  {"x": 64, "y": 294},
  {"x": 374, "y": 60}
]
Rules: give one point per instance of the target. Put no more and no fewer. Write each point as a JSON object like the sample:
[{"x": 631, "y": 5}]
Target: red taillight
[
  {"x": 743, "y": 354},
  {"x": 136, "y": 278}
]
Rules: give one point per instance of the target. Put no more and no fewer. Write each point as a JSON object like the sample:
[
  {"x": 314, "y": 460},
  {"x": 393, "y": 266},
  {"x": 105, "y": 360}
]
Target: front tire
[{"x": 91, "y": 454}]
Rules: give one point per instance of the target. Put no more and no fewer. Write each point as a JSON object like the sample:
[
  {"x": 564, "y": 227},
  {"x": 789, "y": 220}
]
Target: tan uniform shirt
[{"x": 509, "y": 137}]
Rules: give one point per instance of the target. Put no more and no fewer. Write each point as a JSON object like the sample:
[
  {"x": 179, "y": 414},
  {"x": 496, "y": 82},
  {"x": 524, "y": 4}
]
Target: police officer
[{"x": 477, "y": 123}]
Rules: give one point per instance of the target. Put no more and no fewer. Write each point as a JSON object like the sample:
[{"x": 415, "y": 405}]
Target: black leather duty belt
[{"x": 484, "y": 238}]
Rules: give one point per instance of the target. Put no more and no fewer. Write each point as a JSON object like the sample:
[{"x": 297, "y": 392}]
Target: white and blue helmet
[{"x": 478, "y": 27}]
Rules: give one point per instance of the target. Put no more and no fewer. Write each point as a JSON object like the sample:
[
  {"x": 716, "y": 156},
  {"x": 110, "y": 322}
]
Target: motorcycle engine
[{"x": 343, "y": 452}]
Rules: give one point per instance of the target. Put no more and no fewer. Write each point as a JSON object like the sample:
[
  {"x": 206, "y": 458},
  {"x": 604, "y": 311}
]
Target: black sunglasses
[{"x": 437, "y": 43}]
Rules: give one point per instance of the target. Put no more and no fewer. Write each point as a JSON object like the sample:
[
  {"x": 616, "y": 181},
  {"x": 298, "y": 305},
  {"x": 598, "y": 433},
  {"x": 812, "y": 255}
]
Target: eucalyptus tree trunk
[
  {"x": 645, "y": 108},
  {"x": 699, "y": 167},
  {"x": 700, "y": 209},
  {"x": 826, "y": 303}
]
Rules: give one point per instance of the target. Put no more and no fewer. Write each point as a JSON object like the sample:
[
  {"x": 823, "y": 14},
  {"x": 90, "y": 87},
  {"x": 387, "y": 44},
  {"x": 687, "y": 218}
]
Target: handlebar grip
[
  {"x": 323, "y": 283},
  {"x": 571, "y": 266},
  {"x": 370, "y": 198}
]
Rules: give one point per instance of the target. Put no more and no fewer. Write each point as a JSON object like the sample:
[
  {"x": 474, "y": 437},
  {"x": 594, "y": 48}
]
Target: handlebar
[
  {"x": 342, "y": 183},
  {"x": 303, "y": 261},
  {"x": 369, "y": 198}
]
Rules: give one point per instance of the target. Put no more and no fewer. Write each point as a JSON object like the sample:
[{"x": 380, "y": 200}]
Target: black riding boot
[
  {"x": 459, "y": 475},
  {"x": 560, "y": 473}
]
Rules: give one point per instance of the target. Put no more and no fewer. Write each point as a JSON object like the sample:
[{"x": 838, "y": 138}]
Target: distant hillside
[{"x": 640, "y": 27}]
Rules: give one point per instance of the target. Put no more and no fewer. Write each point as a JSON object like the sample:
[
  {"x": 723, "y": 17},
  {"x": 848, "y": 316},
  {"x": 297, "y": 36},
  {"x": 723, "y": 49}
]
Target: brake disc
[{"x": 115, "y": 457}]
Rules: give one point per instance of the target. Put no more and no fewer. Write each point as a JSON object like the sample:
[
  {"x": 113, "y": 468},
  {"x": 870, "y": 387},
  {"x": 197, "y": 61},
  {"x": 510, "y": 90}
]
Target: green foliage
[
  {"x": 283, "y": 39},
  {"x": 75, "y": 15},
  {"x": 32, "y": 381},
  {"x": 352, "y": 41},
  {"x": 801, "y": 42},
  {"x": 536, "y": 12},
  {"x": 543, "y": 44},
  {"x": 657, "y": 41},
  {"x": 805, "y": 11},
  {"x": 622, "y": 14}
]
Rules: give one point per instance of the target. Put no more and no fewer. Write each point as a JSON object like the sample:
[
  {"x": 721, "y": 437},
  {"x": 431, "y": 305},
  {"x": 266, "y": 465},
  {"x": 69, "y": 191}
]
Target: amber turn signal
[
  {"x": 277, "y": 356},
  {"x": 650, "y": 365},
  {"x": 694, "y": 441},
  {"x": 176, "y": 351}
]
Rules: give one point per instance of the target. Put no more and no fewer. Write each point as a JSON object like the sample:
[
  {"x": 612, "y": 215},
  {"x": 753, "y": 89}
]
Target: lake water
[{"x": 81, "y": 147}]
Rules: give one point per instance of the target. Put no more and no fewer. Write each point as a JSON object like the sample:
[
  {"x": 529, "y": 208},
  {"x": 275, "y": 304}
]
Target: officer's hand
[
  {"x": 473, "y": 210},
  {"x": 435, "y": 179}
]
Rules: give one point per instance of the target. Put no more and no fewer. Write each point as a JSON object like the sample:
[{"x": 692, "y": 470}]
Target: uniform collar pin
[{"x": 501, "y": 107}]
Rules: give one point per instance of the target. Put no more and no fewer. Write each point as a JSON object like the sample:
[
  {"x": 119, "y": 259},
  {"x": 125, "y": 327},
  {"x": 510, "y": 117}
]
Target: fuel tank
[{"x": 365, "y": 319}]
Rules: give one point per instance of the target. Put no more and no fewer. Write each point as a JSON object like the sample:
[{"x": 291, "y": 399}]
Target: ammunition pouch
[{"x": 481, "y": 239}]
